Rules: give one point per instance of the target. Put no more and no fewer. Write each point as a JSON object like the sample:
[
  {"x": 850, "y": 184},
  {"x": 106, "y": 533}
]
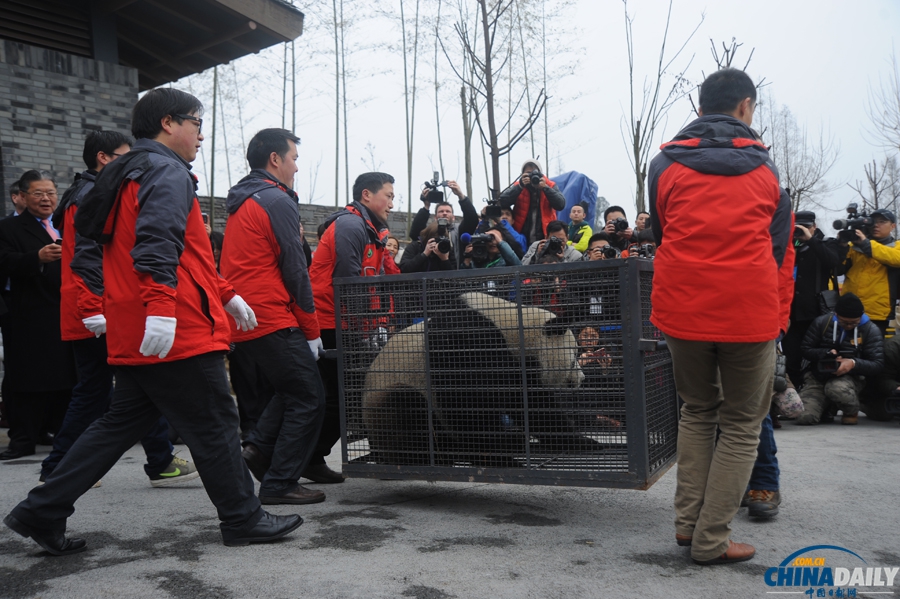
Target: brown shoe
[
  {"x": 850, "y": 418},
  {"x": 322, "y": 474},
  {"x": 736, "y": 552},
  {"x": 683, "y": 540},
  {"x": 299, "y": 496},
  {"x": 256, "y": 461}
]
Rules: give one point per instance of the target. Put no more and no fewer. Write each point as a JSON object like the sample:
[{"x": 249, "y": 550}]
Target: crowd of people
[{"x": 121, "y": 303}]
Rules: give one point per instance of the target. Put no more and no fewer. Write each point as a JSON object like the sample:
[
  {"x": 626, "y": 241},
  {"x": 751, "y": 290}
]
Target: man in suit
[{"x": 39, "y": 365}]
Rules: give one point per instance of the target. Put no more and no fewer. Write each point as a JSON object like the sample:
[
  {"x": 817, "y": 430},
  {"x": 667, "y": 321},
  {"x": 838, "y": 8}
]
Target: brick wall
[{"x": 49, "y": 101}]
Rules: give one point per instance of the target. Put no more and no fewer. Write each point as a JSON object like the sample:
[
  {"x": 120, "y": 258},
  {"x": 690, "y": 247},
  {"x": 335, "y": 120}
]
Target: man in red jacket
[
  {"x": 722, "y": 225},
  {"x": 262, "y": 256},
  {"x": 352, "y": 245},
  {"x": 167, "y": 331}
]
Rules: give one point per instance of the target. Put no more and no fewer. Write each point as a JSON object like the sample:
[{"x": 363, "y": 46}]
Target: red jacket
[
  {"x": 723, "y": 225},
  {"x": 351, "y": 246},
  {"x": 159, "y": 263},
  {"x": 80, "y": 294},
  {"x": 262, "y": 256},
  {"x": 523, "y": 203}
]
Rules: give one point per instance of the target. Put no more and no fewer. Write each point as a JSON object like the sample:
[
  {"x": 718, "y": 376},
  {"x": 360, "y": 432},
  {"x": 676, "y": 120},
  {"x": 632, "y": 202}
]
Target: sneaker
[
  {"x": 179, "y": 471},
  {"x": 763, "y": 504}
]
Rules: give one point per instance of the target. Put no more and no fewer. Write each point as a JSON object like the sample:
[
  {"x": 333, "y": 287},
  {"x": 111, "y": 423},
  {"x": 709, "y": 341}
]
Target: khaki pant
[
  {"x": 712, "y": 476},
  {"x": 842, "y": 391}
]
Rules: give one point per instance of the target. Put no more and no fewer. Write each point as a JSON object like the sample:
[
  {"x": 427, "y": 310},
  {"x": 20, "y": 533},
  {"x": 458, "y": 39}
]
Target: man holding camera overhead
[
  {"x": 534, "y": 200},
  {"x": 842, "y": 347},
  {"x": 444, "y": 210},
  {"x": 870, "y": 262}
]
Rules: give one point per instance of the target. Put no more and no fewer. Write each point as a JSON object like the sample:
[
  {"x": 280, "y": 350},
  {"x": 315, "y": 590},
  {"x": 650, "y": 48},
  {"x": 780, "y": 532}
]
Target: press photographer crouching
[
  {"x": 489, "y": 250},
  {"x": 555, "y": 244},
  {"x": 600, "y": 249},
  {"x": 621, "y": 235},
  {"x": 432, "y": 251},
  {"x": 870, "y": 261},
  {"x": 842, "y": 348}
]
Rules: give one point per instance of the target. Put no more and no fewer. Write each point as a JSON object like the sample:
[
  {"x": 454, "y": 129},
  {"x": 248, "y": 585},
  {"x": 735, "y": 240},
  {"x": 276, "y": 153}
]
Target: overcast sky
[{"x": 820, "y": 59}]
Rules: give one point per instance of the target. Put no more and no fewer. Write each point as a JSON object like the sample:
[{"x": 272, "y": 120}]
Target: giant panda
[{"x": 478, "y": 381}]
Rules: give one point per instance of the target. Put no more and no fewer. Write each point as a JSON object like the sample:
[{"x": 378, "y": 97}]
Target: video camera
[
  {"x": 493, "y": 211},
  {"x": 855, "y": 221},
  {"x": 434, "y": 195}
]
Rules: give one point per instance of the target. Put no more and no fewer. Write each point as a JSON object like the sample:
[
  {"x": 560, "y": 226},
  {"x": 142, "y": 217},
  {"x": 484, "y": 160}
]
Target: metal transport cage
[{"x": 547, "y": 375}]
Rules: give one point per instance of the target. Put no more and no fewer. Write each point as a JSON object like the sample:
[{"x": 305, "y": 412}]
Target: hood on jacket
[
  {"x": 717, "y": 144},
  {"x": 373, "y": 225},
  {"x": 535, "y": 162},
  {"x": 257, "y": 180}
]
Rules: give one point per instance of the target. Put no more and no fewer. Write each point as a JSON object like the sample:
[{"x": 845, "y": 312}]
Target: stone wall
[{"x": 49, "y": 101}]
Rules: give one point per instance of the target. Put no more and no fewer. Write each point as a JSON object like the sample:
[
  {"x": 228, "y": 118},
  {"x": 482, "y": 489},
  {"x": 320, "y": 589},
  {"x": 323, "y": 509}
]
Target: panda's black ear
[{"x": 555, "y": 327}]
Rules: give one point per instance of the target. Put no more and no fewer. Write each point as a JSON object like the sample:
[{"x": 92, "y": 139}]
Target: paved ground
[{"x": 374, "y": 539}]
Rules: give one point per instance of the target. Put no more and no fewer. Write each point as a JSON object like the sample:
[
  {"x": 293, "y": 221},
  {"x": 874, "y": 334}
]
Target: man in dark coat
[{"x": 39, "y": 365}]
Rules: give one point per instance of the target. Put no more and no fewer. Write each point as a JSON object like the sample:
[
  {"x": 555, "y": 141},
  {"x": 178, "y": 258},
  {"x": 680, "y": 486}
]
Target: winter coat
[{"x": 865, "y": 340}]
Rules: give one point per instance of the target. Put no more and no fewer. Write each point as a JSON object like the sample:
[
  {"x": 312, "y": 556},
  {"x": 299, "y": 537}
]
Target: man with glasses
[
  {"x": 842, "y": 347},
  {"x": 871, "y": 263},
  {"x": 168, "y": 328},
  {"x": 40, "y": 368}
]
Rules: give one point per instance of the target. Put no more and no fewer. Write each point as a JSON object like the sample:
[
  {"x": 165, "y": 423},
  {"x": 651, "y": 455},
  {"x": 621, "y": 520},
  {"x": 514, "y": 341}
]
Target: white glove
[
  {"x": 243, "y": 314},
  {"x": 95, "y": 324},
  {"x": 316, "y": 347},
  {"x": 159, "y": 335}
]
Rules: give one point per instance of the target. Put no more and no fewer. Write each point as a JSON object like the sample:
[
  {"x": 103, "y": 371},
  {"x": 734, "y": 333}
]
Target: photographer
[
  {"x": 490, "y": 250},
  {"x": 816, "y": 257},
  {"x": 620, "y": 233},
  {"x": 842, "y": 348},
  {"x": 443, "y": 209},
  {"x": 870, "y": 264},
  {"x": 534, "y": 200},
  {"x": 555, "y": 243},
  {"x": 600, "y": 249},
  {"x": 504, "y": 220},
  {"x": 430, "y": 252}
]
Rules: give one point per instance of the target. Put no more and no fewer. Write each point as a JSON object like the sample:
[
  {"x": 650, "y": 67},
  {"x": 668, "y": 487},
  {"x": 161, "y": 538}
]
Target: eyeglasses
[
  {"x": 189, "y": 117},
  {"x": 116, "y": 154},
  {"x": 42, "y": 194}
]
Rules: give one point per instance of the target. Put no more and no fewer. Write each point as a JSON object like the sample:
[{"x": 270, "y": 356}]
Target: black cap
[
  {"x": 849, "y": 306},
  {"x": 885, "y": 213},
  {"x": 805, "y": 217}
]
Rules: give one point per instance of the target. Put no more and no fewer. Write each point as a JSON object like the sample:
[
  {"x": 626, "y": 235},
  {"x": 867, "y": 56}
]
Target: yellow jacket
[{"x": 873, "y": 277}]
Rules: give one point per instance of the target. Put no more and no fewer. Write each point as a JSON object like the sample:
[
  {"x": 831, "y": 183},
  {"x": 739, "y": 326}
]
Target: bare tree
[
  {"x": 884, "y": 109},
  {"x": 409, "y": 97},
  {"x": 656, "y": 98},
  {"x": 882, "y": 186},
  {"x": 803, "y": 161}
]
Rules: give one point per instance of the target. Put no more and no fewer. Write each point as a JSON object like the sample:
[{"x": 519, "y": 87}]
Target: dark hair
[
  {"x": 267, "y": 141},
  {"x": 103, "y": 141},
  {"x": 722, "y": 91},
  {"x": 610, "y": 210},
  {"x": 548, "y": 259},
  {"x": 442, "y": 203},
  {"x": 371, "y": 181},
  {"x": 643, "y": 212},
  {"x": 517, "y": 249},
  {"x": 601, "y": 236},
  {"x": 31, "y": 176},
  {"x": 557, "y": 225},
  {"x": 157, "y": 104},
  {"x": 646, "y": 236},
  {"x": 14, "y": 189}
]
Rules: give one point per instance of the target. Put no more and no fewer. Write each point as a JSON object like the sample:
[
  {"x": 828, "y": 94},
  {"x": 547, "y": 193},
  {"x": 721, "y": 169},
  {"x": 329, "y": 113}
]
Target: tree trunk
[{"x": 489, "y": 92}]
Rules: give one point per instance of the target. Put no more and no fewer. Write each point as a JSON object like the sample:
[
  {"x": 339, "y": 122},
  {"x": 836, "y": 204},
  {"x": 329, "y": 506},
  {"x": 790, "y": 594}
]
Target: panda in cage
[{"x": 479, "y": 383}]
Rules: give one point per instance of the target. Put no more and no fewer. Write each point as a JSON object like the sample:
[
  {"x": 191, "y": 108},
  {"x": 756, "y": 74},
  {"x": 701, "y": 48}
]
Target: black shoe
[
  {"x": 269, "y": 528},
  {"x": 15, "y": 454},
  {"x": 46, "y": 439},
  {"x": 54, "y": 541},
  {"x": 763, "y": 504},
  {"x": 256, "y": 461},
  {"x": 322, "y": 474},
  {"x": 299, "y": 496}
]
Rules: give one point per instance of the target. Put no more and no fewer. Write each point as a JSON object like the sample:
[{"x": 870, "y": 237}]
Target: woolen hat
[{"x": 849, "y": 306}]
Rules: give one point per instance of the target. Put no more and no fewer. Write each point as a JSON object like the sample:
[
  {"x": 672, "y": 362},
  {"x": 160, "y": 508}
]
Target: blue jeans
[
  {"x": 90, "y": 400},
  {"x": 765, "y": 470}
]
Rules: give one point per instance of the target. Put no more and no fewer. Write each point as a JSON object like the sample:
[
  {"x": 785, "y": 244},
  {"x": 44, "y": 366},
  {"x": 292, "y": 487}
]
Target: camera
[
  {"x": 535, "y": 177},
  {"x": 443, "y": 242},
  {"x": 620, "y": 224},
  {"x": 493, "y": 211},
  {"x": 480, "y": 245},
  {"x": 205, "y": 218},
  {"x": 855, "y": 221},
  {"x": 434, "y": 195},
  {"x": 645, "y": 250},
  {"x": 609, "y": 252},
  {"x": 553, "y": 246}
]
